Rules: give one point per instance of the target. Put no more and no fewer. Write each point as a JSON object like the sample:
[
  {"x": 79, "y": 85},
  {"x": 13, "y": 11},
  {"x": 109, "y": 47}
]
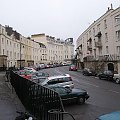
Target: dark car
[
  {"x": 72, "y": 68},
  {"x": 71, "y": 95},
  {"x": 110, "y": 116},
  {"x": 107, "y": 74},
  {"x": 88, "y": 71}
]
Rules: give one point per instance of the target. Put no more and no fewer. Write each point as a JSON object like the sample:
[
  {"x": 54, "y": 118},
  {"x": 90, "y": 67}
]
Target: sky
[{"x": 58, "y": 18}]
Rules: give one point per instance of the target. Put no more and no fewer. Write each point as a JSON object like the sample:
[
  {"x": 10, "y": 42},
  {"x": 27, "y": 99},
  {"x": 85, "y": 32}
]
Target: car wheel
[
  {"x": 117, "y": 81},
  {"x": 80, "y": 100},
  {"x": 100, "y": 78}
]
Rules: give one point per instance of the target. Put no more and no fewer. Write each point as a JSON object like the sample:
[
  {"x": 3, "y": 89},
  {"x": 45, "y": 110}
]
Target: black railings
[{"x": 38, "y": 100}]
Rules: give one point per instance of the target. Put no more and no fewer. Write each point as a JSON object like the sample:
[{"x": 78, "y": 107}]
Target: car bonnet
[{"x": 111, "y": 116}]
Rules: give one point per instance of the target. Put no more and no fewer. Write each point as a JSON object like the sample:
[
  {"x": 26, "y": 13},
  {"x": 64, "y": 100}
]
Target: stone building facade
[
  {"x": 19, "y": 51},
  {"x": 58, "y": 51},
  {"x": 98, "y": 47}
]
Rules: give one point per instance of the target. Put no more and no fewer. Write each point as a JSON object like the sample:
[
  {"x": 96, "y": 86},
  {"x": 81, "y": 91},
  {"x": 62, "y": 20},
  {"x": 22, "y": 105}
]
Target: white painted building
[
  {"x": 57, "y": 51},
  {"x": 101, "y": 39},
  {"x": 17, "y": 50}
]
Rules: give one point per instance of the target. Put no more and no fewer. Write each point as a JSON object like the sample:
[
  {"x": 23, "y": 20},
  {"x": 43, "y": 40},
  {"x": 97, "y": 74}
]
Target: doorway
[{"x": 111, "y": 66}]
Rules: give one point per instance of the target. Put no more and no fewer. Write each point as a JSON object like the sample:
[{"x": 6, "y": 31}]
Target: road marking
[{"x": 114, "y": 91}]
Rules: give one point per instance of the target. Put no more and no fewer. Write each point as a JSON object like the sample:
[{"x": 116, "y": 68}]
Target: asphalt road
[{"x": 104, "y": 95}]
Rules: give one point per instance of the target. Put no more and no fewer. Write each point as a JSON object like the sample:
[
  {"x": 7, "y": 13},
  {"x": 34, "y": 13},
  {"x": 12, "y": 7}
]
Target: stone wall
[{"x": 101, "y": 66}]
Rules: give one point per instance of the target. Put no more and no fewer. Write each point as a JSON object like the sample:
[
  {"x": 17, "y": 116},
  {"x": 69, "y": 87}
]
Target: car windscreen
[
  {"x": 42, "y": 74},
  {"x": 72, "y": 65},
  {"x": 60, "y": 90},
  {"x": 43, "y": 81},
  {"x": 24, "y": 72}
]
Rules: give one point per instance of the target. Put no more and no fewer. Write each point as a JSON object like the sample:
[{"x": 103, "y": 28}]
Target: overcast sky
[{"x": 57, "y": 18}]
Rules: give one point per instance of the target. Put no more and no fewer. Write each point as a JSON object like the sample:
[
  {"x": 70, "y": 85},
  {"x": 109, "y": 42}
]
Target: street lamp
[{"x": 20, "y": 56}]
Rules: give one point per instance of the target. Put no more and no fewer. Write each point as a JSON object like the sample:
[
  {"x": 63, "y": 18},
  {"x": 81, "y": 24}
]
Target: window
[
  {"x": 7, "y": 53},
  {"x": 117, "y": 20},
  {"x": 11, "y": 54},
  {"x": 2, "y": 31},
  {"x": 100, "y": 51},
  {"x": 98, "y": 27},
  {"x": 2, "y": 40},
  {"x": 3, "y": 51},
  {"x": 107, "y": 51},
  {"x": 118, "y": 49},
  {"x": 105, "y": 24},
  {"x": 54, "y": 81},
  {"x": 90, "y": 32},
  {"x": 118, "y": 35},
  {"x": 93, "y": 31},
  {"x": 106, "y": 37},
  {"x": 7, "y": 42},
  {"x": 15, "y": 55},
  {"x": 60, "y": 90}
]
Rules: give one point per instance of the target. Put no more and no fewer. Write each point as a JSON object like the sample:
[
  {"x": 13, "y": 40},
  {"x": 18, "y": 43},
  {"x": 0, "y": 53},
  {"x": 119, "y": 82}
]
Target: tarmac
[{"x": 9, "y": 102}]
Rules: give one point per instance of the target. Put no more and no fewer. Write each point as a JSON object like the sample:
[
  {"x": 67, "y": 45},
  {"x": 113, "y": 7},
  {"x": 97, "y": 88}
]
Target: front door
[{"x": 111, "y": 66}]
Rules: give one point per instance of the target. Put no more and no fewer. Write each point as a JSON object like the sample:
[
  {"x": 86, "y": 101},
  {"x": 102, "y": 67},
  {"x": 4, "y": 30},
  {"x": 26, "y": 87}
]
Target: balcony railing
[
  {"x": 111, "y": 57},
  {"x": 80, "y": 52},
  {"x": 89, "y": 47},
  {"x": 98, "y": 44}
]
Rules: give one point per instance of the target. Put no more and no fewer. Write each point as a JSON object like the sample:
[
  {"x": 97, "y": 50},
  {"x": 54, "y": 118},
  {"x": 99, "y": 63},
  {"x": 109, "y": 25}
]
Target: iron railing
[{"x": 38, "y": 100}]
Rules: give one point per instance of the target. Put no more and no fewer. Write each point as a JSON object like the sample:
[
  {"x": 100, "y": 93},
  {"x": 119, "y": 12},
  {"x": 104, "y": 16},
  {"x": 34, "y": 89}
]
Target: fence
[{"x": 38, "y": 100}]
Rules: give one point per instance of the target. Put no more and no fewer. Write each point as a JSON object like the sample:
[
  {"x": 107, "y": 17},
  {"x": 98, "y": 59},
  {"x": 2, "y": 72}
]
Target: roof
[{"x": 58, "y": 76}]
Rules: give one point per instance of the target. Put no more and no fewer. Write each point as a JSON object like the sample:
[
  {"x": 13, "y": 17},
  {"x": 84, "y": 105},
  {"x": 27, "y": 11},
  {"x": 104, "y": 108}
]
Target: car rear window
[
  {"x": 65, "y": 79},
  {"x": 53, "y": 81},
  {"x": 42, "y": 80},
  {"x": 60, "y": 90}
]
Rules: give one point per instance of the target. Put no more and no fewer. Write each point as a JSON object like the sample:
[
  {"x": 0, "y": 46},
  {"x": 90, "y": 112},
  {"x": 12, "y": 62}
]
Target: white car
[
  {"x": 30, "y": 69},
  {"x": 59, "y": 80},
  {"x": 116, "y": 78}
]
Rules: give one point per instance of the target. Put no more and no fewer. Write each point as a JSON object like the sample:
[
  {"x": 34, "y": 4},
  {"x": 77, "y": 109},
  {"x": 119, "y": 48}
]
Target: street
[{"x": 104, "y": 95}]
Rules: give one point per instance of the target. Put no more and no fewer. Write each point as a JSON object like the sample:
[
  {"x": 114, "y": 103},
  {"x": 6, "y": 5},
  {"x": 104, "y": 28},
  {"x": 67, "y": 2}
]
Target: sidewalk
[{"x": 9, "y": 102}]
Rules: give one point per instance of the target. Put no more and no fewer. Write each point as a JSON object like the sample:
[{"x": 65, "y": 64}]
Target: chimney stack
[{"x": 111, "y": 6}]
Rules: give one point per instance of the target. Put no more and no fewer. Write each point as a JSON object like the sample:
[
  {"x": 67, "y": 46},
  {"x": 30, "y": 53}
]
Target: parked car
[
  {"x": 110, "y": 116},
  {"x": 72, "y": 68},
  {"x": 25, "y": 74},
  {"x": 59, "y": 80},
  {"x": 29, "y": 69},
  {"x": 71, "y": 95},
  {"x": 40, "y": 74},
  {"x": 116, "y": 78},
  {"x": 89, "y": 72},
  {"x": 107, "y": 74}
]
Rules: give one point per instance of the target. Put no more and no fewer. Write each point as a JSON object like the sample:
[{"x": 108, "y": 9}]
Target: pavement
[{"x": 9, "y": 102}]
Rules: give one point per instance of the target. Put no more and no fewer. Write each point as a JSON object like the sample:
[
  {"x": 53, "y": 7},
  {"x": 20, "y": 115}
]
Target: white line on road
[{"x": 114, "y": 91}]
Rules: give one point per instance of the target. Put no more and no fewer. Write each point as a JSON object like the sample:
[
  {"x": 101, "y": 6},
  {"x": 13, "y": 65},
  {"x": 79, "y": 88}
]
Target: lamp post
[{"x": 20, "y": 56}]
